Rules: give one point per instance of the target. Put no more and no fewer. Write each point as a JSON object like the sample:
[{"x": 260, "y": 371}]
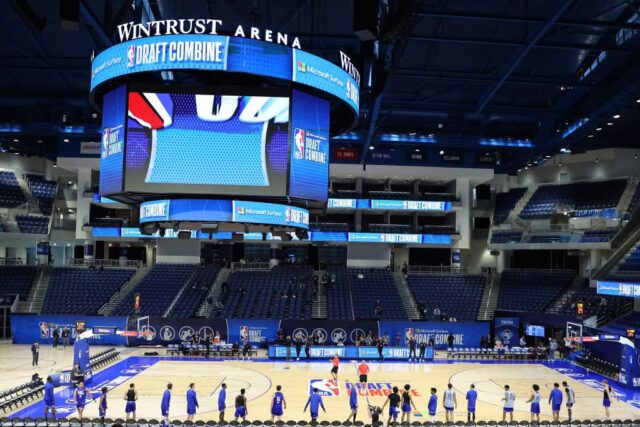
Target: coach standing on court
[
  {"x": 298, "y": 344},
  {"x": 35, "y": 353}
]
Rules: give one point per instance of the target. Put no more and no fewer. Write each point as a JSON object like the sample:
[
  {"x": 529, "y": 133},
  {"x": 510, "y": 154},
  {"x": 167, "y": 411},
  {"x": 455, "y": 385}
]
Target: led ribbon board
[
  {"x": 203, "y": 210},
  {"x": 202, "y": 52}
]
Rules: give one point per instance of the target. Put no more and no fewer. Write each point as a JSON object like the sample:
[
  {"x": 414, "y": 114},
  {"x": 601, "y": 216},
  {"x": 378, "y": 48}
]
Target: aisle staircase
[
  {"x": 205, "y": 308},
  {"x": 514, "y": 215},
  {"x": 37, "y": 292},
  {"x": 319, "y": 308},
  {"x": 180, "y": 292},
  {"x": 124, "y": 290},
  {"x": 489, "y": 301},
  {"x": 627, "y": 194},
  {"x": 410, "y": 305}
]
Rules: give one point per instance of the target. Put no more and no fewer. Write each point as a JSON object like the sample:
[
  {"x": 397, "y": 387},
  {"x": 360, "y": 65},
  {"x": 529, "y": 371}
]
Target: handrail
[
  {"x": 81, "y": 262},
  {"x": 251, "y": 266},
  {"x": 433, "y": 269},
  {"x": 12, "y": 261}
]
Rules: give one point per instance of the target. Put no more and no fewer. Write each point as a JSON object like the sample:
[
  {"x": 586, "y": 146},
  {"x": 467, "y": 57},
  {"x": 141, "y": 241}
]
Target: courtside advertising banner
[
  {"x": 330, "y": 332},
  {"x": 465, "y": 334},
  {"x": 165, "y": 330},
  {"x": 507, "y": 329},
  {"x": 30, "y": 329},
  {"x": 256, "y": 332}
]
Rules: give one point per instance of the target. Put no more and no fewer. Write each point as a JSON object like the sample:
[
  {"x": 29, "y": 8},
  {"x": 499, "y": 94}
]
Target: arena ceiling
[{"x": 551, "y": 71}]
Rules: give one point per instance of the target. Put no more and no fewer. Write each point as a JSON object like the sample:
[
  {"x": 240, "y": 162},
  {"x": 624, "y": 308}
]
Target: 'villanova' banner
[
  {"x": 30, "y": 329},
  {"x": 255, "y": 331},
  {"x": 507, "y": 330},
  {"x": 330, "y": 332},
  {"x": 165, "y": 331},
  {"x": 465, "y": 334}
]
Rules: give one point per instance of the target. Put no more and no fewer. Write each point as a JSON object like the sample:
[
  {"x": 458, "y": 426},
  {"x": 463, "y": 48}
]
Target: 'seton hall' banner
[{"x": 465, "y": 334}]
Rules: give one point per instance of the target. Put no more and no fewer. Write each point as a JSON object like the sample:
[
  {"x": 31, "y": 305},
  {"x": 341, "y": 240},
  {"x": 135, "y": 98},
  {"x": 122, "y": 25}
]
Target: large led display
[
  {"x": 207, "y": 144},
  {"x": 309, "y": 169},
  {"x": 113, "y": 136}
]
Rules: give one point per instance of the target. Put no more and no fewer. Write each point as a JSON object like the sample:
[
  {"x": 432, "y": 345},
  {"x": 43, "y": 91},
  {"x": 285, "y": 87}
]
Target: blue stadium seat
[
  {"x": 531, "y": 290},
  {"x": 195, "y": 292},
  {"x": 16, "y": 280},
  {"x": 377, "y": 284},
  {"x": 43, "y": 190},
  {"x": 505, "y": 202},
  {"x": 456, "y": 295},
  {"x": 33, "y": 224},
  {"x": 82, "y": 291},
  {"x": 10, "y": 192}
]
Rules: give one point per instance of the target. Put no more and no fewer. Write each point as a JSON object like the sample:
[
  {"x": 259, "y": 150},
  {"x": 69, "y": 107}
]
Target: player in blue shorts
[
  {"x": 433, "y": 404},
  {"x": 49, "y": 400},
  {"x": 192, "y": 402},
  {"x": 394, "y": 401},
  {"x": 472, "y": 396},
  {"x": 450, "y": 402},
  {"x": 80, "y": 397},
  {"x": 407, "y": 403},
  {"x": 241, "y": 406},
  {"x": 353, "y": 404},
  {"x": 131, "y": 396},
  {"x": 278, "y": 404},
  {"x": 534, "y": 399},
  {"x": 314, "y": 403},
  {"x": 165, "y": 404},
  {"x": 555, "y": 400},
  {"x": 509, "y": 403},
  {"x": 102, "y": 404},
  {"x": 222, "y": 397}
]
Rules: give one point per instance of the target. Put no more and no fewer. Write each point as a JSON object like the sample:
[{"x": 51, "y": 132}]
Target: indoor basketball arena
[{"x": 319, "y": 212}]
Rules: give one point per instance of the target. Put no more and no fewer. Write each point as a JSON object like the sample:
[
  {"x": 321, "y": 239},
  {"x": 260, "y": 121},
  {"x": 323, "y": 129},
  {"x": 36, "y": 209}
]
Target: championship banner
[
  {"x": 257, "y": 332},
  {"x": 465, "y": 334},
  {"x": 30, "y": 329},
  {"x": 163, "y": 331},
  {"x": 507, "y": 329},
  {"x": 330, "y": 332}
]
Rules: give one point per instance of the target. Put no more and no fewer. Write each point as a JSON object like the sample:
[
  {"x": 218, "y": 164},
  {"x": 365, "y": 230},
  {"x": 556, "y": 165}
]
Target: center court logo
[
  {"x": 326, "y": 388},
  {"x": 131, "y": 56},
  {"x": 299, "y": 143}
]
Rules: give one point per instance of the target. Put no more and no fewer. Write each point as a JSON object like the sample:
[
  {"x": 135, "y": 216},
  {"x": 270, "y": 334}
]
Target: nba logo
[
  {"x": 105, "y": 141},
  {"x": 131, "y": 56},
  {"x": 287, "y": 215},
  {"x": 298, "y": 139},
  {"x": 326, "y": 388},
  {"x": 244, "y": 333}
]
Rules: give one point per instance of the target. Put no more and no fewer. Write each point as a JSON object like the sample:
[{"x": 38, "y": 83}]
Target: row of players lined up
[{"x": 397, "y": 403}]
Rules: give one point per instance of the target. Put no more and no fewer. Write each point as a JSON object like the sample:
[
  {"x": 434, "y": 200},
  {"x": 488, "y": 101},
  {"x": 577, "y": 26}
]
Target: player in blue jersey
[
  {"x": 222, "y": 397},
  {"x": 534, "y": 399},
  {"x": 165, "y": 404},
  {"x": 80, "y": 398},
  {"x": 555, "y": 400},
  {"x": 49, "y": 400},
  {"x": 314, "y": 403},
  {"x": 353, "y": 404},
  {"x": 407, "y": 403},
  {"x": 192, "y": 402},
  {"x": 433, "y": 405},
  {"x": 278, "y": 404},
  {"x": 102, "y": 404},
  {"x": 472, "y": 396}
]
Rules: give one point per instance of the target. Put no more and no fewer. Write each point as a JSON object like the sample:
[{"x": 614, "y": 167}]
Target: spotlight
[
  {"x": 617, "y": 116},
  {"x": 597, "y": 160},
  {"x": 371, "y": 147},
  {"x": 610, "y": 124},
  {"x": 302, "y": 234},
  {"x": 598, "y": 129},
  {"x": 590, "y": 136},
  {"x": 441, "y": 152}
]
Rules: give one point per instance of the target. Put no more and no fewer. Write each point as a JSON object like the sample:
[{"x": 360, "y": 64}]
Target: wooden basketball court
[{"x": 260, "y": 378}]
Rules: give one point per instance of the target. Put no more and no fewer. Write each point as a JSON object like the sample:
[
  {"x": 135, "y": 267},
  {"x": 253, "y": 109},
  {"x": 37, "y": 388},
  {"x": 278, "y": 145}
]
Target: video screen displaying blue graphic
[
  {"x": 309, "y": 168},
  {"x": 534, "y": 330},
  {"x": 112, "y": 150},
  {"x": 207, "y": 210},
  {"x": 622, "y": 289},
  {"x": 207, "y": 144},
  {"x": 224, "y": 53}
]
